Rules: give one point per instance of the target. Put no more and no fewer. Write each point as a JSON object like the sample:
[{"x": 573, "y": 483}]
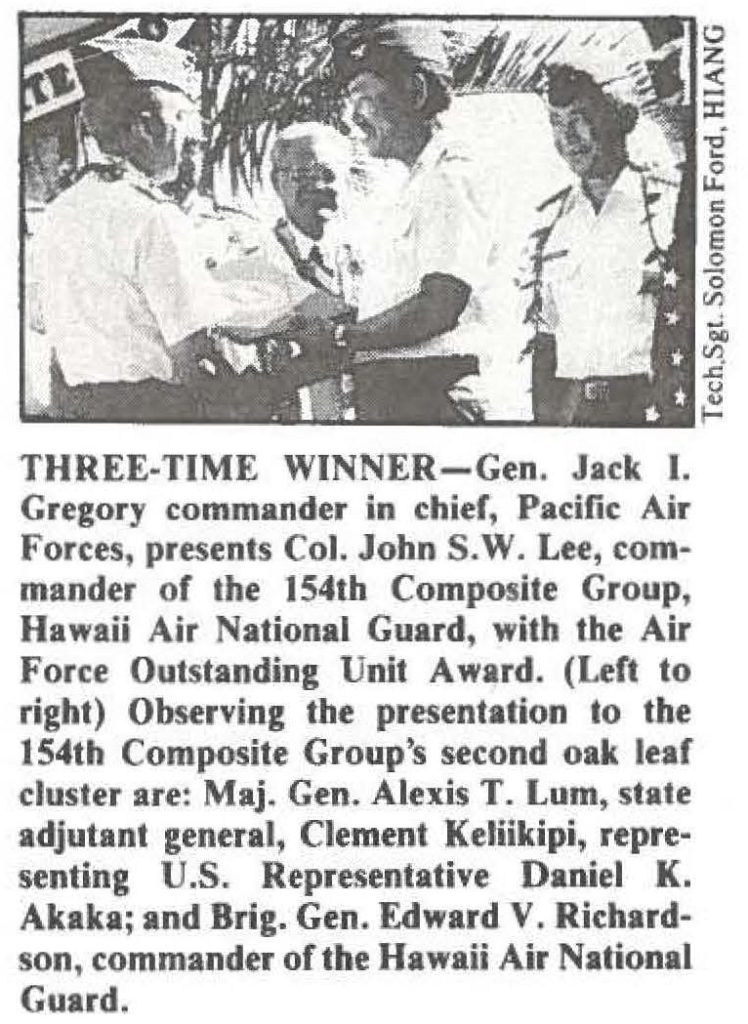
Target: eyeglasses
[{"x": 312, "y": 175}]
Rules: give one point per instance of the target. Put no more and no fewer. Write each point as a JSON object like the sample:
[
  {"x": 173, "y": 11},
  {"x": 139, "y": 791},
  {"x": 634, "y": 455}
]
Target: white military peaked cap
[
  {"x": 149, "y": 61},
  {"x": 359, "y": 46}
]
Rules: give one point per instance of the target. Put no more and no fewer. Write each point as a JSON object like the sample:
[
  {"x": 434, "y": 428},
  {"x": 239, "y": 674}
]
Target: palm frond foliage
[{"x": 262, "y": 74}]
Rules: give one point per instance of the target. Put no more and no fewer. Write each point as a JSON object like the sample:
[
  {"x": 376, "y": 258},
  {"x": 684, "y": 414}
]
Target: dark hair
[
  {"x": 397, "y": 66},
  {"x": 567, "y": 85}
]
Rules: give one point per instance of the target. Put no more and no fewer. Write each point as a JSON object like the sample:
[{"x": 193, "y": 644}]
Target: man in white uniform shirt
[
  {"x": 302, "y": 267},
  {"x": 600, "y": 264},
  {"x": 125, "y": 299},
  {"x": 422, "y": 272},
  {"x": 310, "y": 170}
]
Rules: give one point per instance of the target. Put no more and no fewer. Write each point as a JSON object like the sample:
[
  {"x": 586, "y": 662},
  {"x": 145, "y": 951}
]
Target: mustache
[{"x": 321, "y": 196}]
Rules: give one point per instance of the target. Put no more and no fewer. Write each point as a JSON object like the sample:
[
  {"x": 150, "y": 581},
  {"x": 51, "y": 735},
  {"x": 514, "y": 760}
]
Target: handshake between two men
[{"x": 255, "y": 374}]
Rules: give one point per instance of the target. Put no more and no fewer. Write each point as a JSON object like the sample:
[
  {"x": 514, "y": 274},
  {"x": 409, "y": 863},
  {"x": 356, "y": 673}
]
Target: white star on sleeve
[
  {"x": 676, "y": 357},
  {"x": 680, "y": 397},
  {"x": 672, "y": 318}
]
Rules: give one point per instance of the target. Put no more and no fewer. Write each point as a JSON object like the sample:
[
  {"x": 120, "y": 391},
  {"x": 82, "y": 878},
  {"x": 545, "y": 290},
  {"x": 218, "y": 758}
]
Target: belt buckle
[{"x": 596, "y": 390}]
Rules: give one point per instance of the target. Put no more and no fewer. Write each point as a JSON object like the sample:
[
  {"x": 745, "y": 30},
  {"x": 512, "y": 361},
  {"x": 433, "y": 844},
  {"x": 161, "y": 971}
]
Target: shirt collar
[
  {"x": 299, "y": 248},
  {"x": 112, "y": 169},
  {"x": 628, "y": 185},
  {"x": 303, "y": 243},
  {"x": 431, "y": 153}
]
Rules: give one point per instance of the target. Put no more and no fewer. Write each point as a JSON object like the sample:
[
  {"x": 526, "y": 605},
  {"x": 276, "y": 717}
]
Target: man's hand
[
  {"x": 312, "y": 332},
  {"x": 276, "y": 354},
  {"x": 317, "y": 355},
  {"x": 187, "y": 356},
  {"x": 468, "y": 402}
]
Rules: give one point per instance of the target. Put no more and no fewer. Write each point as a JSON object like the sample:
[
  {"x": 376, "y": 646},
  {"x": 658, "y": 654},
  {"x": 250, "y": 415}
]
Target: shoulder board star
[
  {"x": 672, "y": 318},
  {"x": 680, "y": 397},
  {"x": 651, "y": 414},
  {"x": 676, "y": 357}
]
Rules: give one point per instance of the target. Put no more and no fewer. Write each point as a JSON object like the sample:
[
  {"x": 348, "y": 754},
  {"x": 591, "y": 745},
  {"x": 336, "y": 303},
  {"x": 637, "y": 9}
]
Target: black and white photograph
[
  {"x": 371, "y": 725},
  {"x": 357, "y": 220}
]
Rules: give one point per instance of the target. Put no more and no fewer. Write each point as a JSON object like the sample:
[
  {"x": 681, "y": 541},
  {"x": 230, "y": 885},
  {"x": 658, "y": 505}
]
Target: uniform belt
[
  {"x": 595, "y": 390},
  {"x": 602, "y": 390}
]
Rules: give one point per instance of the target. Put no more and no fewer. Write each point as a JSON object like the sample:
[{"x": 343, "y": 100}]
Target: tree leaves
[{"x": 260, "y": 75}]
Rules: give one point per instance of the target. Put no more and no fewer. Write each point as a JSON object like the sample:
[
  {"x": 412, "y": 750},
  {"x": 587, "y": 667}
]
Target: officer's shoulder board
[
  {"x": 152, "y": 191},
  {"x": 110, "y": 173}
]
